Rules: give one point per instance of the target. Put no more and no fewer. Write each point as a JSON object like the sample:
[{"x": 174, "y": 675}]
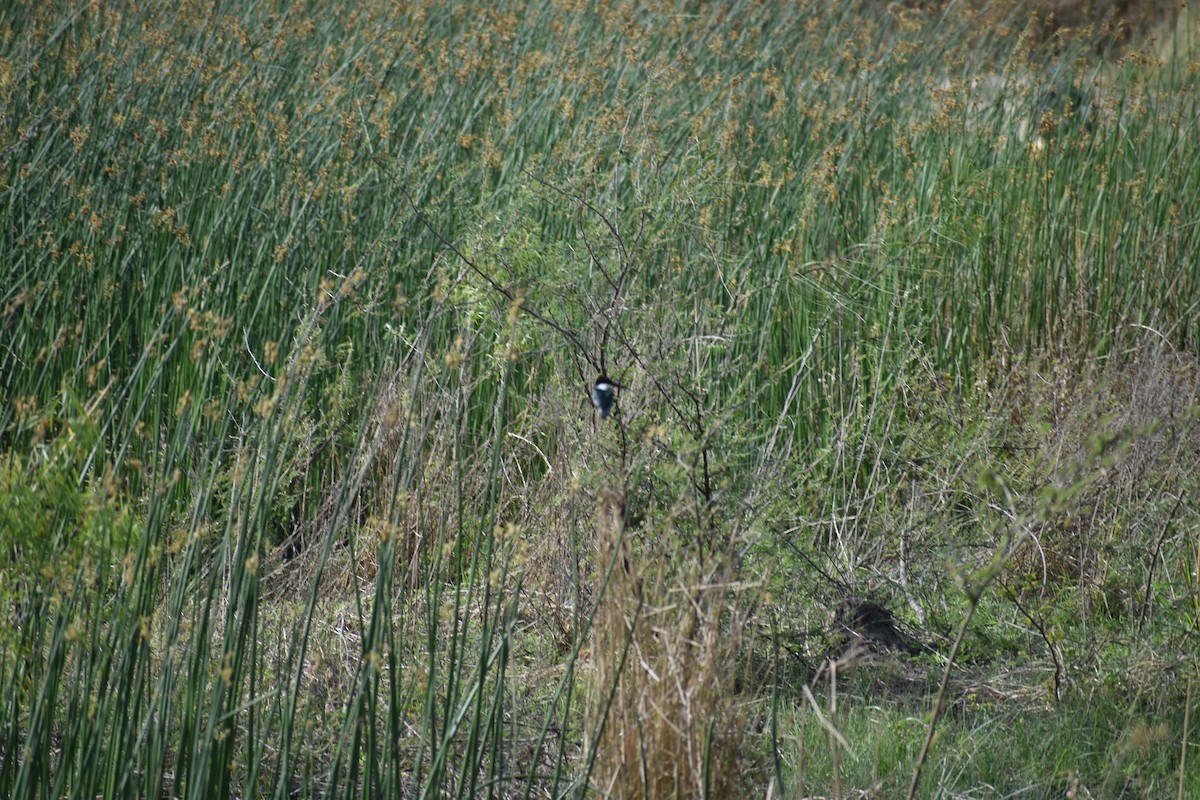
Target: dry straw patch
[
  {"x": 1117, "y": 439},
  {"x": 665, "y": 657}
]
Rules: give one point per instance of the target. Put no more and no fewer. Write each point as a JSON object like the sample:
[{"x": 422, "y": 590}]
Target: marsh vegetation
[{"x": 302, "y": 490}]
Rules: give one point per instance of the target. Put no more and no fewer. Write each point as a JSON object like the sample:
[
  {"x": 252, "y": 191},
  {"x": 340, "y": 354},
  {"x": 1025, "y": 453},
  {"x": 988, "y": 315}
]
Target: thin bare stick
[
  {"x": 835, "y": 755},
  {"x": 1187, "y": 708},
  {"x": 940, "y": 704}
]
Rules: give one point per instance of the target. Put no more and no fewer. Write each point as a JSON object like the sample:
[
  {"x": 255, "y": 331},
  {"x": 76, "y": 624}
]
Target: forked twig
[{"x": 825, "y": 723}]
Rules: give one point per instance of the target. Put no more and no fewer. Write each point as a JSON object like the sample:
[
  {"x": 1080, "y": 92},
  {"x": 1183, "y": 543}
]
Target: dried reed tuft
[{"x": 665, "y": 652}]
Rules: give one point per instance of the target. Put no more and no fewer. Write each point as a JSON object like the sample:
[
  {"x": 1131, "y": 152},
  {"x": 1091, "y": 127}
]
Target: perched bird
[{"x": 604, "y": 393}]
